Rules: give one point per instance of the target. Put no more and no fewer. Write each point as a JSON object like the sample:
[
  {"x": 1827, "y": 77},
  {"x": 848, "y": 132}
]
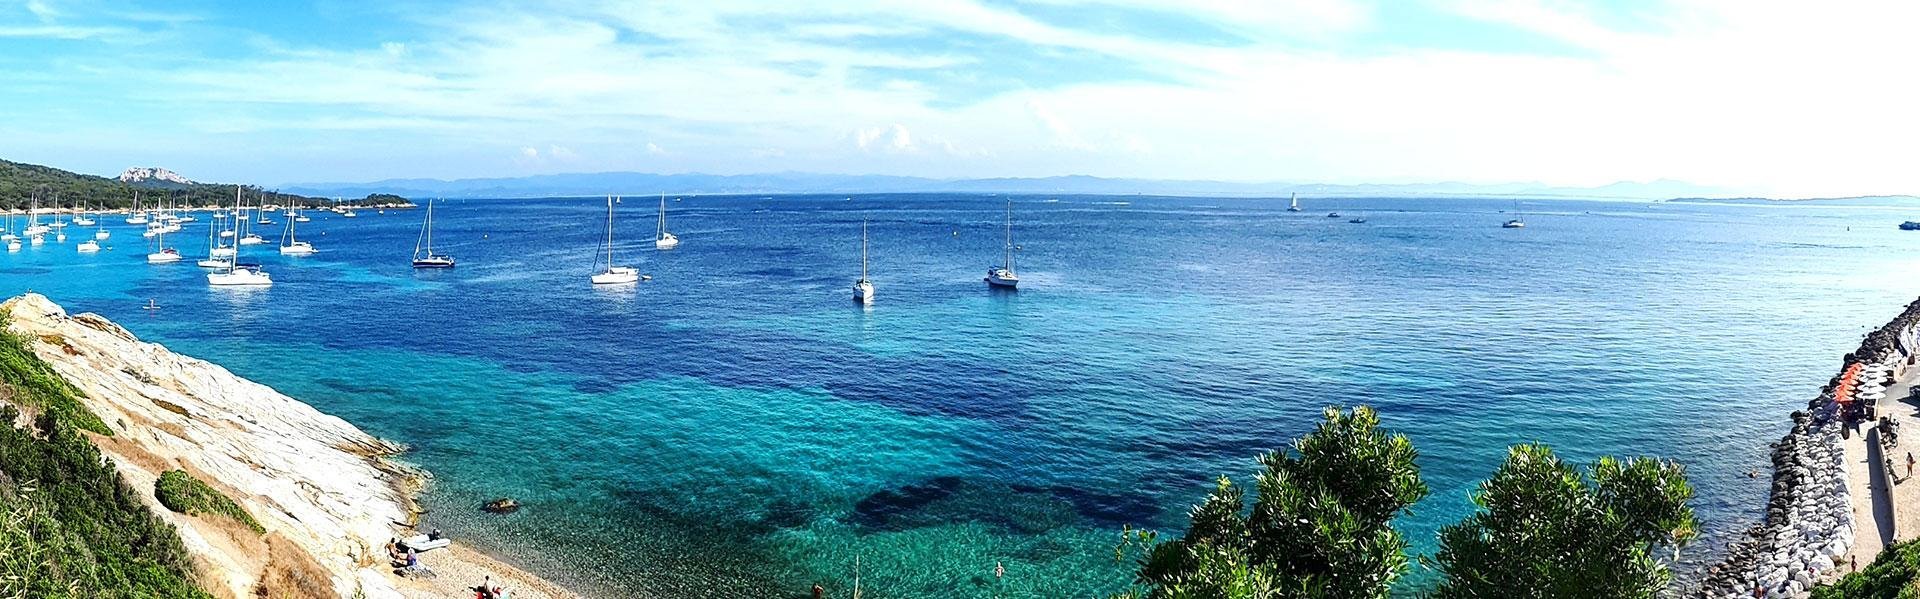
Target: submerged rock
[{"x": 503, "y": 505}]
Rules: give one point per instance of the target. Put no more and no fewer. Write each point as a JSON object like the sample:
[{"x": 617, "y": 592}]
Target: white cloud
[{"x": 1774, "y": 97}]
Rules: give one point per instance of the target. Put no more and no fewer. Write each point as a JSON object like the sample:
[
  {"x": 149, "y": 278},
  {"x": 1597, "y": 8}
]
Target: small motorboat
[
  {"x": 1333, "y": 215},
  {"x": 1358, "y": 220},
  {"x": 1910, "y": 226},
  {"x": 426, "y": 542}
]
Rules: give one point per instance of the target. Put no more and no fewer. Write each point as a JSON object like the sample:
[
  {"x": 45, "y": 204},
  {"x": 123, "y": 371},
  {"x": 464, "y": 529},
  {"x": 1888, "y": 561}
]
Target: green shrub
[
  {"x": 34, "y": 383},
  {"x": 183, "y": 493},
  {"x": 70, "y": 528},
  {"x": 1892, "y": 575}
]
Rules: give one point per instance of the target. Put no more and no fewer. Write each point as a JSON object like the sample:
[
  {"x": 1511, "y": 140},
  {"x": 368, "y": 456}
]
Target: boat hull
[
  {"x": 163, "y": 258},
  {"x": 863, "y": 292},
  {"x": 1002, "y": 279},
  {"x": 239, "y": 278},
  {"x": 433, "y": 263}
]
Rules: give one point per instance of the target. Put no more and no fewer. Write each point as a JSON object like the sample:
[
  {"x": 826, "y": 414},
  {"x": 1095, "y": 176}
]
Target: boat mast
[
  {"x": 863, "y": 250},
  {"x": 1009, "y": 246},
  {"x": 609, "y": 233},
  {"x": 661, "y": 232}
]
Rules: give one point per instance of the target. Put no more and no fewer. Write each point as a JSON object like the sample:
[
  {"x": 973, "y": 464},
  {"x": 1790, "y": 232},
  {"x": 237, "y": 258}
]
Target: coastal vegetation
[
  {"x": 21, "y": 183},
  {"x": 1895, "y": 574},
  {"x": 33, "y": 384},
  {"x": 183, "y": 493},
  {"x": 1321, "y": 526},
  {"x": 69, "y": 527}
]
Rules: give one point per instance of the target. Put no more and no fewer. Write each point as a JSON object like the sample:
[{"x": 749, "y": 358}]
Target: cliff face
[{"x": 316, "y": 483}]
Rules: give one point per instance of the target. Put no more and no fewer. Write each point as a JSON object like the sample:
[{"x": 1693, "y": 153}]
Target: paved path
[{"x": 1884, "y": 515}]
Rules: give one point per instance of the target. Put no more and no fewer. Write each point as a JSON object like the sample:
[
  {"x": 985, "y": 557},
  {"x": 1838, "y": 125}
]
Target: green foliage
[
  {"x": 1546, "y": 530},
  {"x": 21, "y": 183},
  {"x": 1320, "y": 525},
  {"x": 70, "y": 528},
  {"x": 34, "y": 383},
  {"x": 1892, "y": 575},
  {"x": 183, "y": 493}
]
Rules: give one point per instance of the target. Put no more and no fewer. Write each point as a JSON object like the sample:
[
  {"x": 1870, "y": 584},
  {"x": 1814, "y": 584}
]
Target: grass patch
[
  {"x": 183, "y": 493},
  {"x": 35, "y": 383},
  {"x": 1892, "y": 575}
]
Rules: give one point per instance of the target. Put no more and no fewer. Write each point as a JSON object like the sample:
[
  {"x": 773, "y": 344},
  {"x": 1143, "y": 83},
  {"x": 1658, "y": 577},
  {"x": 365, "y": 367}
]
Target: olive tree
[
  {"x": 1546, "y": 530},
  {"x": 1320, "y": 524}
]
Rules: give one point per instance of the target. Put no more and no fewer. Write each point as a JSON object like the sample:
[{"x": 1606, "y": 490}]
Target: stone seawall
[{"x": 1809, "y": 519}]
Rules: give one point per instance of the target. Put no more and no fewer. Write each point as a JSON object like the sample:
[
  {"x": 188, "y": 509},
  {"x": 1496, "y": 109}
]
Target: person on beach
[
  {"x": 1909, "y": 464},
  {"x": 819, "y": 592}
]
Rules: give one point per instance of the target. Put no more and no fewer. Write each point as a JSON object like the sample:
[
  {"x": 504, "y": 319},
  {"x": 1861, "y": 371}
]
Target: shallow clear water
[{"x": 737, "y": 427}]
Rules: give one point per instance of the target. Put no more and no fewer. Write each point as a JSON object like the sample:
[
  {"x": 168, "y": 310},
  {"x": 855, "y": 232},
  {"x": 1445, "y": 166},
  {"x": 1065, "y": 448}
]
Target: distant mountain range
[{"x": 640, "y": 184}]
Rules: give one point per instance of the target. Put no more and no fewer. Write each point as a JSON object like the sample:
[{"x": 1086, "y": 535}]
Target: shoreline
[
  {"x": 329, "y": 495},
  {"x": 1822, "y": 501}
]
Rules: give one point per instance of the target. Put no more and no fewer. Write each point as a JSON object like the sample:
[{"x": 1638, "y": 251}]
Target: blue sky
[{"x": 1773, "y": 97}]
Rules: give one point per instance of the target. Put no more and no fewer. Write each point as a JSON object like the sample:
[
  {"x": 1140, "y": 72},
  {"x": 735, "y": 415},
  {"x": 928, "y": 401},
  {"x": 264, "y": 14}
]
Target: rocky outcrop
[
  {"x": 151, "y": 173},
  {"x": 318, "y": 485},
  {"x": 1809, "y": 522}
]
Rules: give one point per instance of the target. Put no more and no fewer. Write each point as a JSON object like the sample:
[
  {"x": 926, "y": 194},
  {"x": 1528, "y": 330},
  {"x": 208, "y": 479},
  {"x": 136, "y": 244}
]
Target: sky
[{"x": 1782, "y": 98}]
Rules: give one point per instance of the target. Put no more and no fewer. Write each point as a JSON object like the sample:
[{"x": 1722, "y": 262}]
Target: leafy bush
[
  {"x": 1320, "y": 526},
  {"x": 70, "y": 528},
  {"x": 1892, "y": 575},
  {"x": 183, "y": 493},
  {"x": 35, "y": 383},
  {"x": 1546, "y": 530}
]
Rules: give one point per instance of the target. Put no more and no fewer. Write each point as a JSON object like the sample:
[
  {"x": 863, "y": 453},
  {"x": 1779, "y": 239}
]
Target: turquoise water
[{"x": 736, "y": 427}]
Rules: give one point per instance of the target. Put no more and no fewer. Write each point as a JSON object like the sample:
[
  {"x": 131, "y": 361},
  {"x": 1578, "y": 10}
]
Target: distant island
[{"x": 20, "y": 183}]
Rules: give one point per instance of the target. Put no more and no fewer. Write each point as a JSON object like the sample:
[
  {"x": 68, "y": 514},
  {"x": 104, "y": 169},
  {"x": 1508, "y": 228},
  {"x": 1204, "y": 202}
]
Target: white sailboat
[
  {"x": 34, "y": 228},
  {"x": 1516, "y": 223},
  {"x": 164, "y": 255},
  {"x": 611, "y": 274},
  {"x": 291, "y": 245},
  {"x": 6, "y": 228},
  {"x": 58, "y": 221},
  {"x": 239, "y": 275},
  {"x": 664, "y": 240},
  {"x": 80, "y": 218},
  {"x": 243, "y": 226},
  {"x": 1004, "y": 275},
  {"x": 1295, "y": 206},
  {"x": 863, "y": 288},
  {"x": 137, "y": 217},
  {"x": 219, "y": 255},
  {"x": 425, "y": 242}
]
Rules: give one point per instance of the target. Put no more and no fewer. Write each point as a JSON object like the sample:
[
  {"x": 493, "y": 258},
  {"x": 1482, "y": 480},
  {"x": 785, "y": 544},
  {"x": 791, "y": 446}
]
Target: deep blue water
[{"x": 737, "y": 427}]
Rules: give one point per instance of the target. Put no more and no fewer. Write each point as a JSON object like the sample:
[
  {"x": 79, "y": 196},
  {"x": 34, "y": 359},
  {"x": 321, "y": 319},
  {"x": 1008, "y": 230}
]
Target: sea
[{"x": 737, "y": 426}]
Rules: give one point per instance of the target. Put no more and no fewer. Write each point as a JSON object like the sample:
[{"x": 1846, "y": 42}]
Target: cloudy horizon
[{"x": 1762, "y": 98}]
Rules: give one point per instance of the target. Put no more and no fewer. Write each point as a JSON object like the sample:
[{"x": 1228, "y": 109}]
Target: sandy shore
[{"x": 325, "y": 491}]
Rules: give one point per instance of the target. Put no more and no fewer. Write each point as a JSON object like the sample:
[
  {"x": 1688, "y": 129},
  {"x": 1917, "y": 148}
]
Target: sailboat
[
  {"x": 165, "y": 255},
  {"x": 137, "y": 217},
  {"x": 1004, "y": 276},
  {"x": 863, "y": 288},
  {"x": 1295, "y": 206},
  {"x": 219, "y": 255},
  {"x": 665, "y": 240},
  {"x": 58, "y": 222},
  {"x": 1516, "y": 223},
  {"x": 234, "y": 274},
  {"x": 241, "y": 223},
  {"x": 6, "y": 228},
  {"x": 34, "y": 228},
  {"x": 612, "y": 275},
  {"x": 292, "y": 246},
  {"x": 425, "y": 242},
  {"x": 80, "y": 217}
]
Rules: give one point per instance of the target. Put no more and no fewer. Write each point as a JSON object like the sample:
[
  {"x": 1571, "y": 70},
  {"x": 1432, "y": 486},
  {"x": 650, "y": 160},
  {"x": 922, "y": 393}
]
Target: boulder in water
[{"x": 503, "y": 505}]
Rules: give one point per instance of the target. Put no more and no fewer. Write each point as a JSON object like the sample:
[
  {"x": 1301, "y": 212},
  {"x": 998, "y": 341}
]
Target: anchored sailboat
[
  {"x": 611, "y": 274},
  {"x": 863, "y": 288},
  {"x": 1295, "y": 206},
  {"x": 291, "y": 245},
  {"x": 425, "y": 242},
  {"x": 1004, "y": 276},
  {"x": 1516, "y": 223},
  {"x": 664, "y": 240},
  {"x": 164, "y": 255}
]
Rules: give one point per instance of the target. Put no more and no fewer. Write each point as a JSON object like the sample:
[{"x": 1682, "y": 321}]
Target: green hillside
[{"x": 20, "y": 183}]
